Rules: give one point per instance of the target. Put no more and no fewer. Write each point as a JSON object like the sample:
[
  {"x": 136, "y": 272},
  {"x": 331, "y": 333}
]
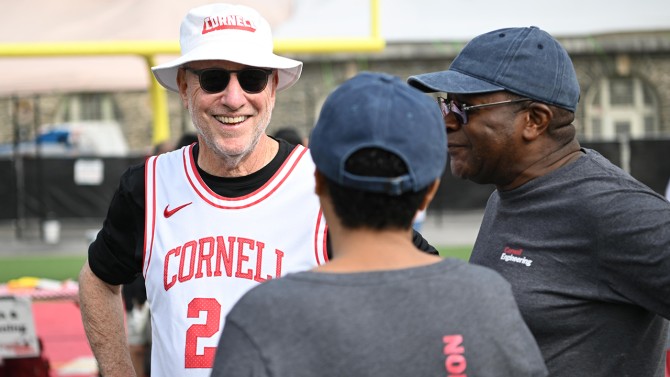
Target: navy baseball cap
[
  {"x": 377, "y": 110},
  {"x": 526, "y": 61}
]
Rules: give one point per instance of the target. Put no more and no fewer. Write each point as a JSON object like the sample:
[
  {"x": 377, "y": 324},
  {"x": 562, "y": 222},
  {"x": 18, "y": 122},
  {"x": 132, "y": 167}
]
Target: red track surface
[{"x": 58, "y": 325}]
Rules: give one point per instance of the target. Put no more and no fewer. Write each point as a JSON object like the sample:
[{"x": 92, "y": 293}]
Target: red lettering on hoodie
[{"x": 454, "y": 352}]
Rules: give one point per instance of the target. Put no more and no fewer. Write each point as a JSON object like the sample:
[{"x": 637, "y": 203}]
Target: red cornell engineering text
[
  {"x": 455, "y": 362},
  {"x": 197, "y": 257}
]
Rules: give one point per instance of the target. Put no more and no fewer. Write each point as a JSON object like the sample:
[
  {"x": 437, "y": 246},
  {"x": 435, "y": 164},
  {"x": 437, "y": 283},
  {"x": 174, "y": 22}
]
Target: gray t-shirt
[
  {"x": 444, "y": 319},
  {"x": 587, "y": 251}
]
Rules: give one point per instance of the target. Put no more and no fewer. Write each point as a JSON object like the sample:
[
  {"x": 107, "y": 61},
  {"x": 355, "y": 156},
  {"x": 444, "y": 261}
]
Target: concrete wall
[{"x": 644, "y": 55}]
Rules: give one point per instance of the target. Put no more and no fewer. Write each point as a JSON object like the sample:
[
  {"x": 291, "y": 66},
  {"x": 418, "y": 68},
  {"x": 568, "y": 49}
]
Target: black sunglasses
[
  {"x": 215, "y": 80},
  {"x": 460, "y": 110}
]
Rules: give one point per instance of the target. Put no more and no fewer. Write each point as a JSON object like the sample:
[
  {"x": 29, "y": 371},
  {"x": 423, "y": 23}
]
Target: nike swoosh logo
[{"x": 169, "y": 212}]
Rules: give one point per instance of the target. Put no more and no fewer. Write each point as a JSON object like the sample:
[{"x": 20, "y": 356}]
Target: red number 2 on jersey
[{"x": 206, "y": 330}]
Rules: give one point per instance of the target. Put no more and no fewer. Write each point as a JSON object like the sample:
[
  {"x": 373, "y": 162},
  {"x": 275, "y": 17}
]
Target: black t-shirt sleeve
[
  {"x": 116, "y": 254},
  {"x": 422, "y": 244}
]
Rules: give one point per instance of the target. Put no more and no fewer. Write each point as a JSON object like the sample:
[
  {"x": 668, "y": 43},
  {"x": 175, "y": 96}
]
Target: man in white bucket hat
[
  {"x": 207, "y": 222},
  {"x": 233, "y": 33}
]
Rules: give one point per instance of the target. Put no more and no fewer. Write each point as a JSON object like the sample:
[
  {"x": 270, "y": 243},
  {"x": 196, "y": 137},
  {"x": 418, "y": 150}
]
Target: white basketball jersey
[{"x": 204, "y": 251}]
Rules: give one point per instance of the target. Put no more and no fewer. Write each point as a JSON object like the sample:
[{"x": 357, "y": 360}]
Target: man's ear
[
  {"x": 320, "y": 183},
  {"x": 432, "y": 190},
  {"x": 538, "y": 118},
  {"x": 275, "y": 79},
  {"x": 182, "y": 85}
]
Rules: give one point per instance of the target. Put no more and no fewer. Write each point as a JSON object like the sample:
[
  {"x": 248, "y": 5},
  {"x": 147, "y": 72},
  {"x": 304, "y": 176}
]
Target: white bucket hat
[{"x": 229, "y": 32}]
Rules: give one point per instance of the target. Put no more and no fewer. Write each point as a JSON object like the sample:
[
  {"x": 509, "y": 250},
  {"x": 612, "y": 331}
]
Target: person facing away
[
  {"x": 585, "y": 246},
  {"x": 205, "y": 223},
  {"x": 380, "y": 307}
]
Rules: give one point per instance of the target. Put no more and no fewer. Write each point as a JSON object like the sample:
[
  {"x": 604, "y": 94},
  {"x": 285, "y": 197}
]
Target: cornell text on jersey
[{"x": 215, "y": 256}]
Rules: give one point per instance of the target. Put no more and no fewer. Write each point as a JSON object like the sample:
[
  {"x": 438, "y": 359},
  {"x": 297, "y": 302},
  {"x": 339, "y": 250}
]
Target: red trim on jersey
[
  {"x": 325, "y": 243},
  {"x": 319, "y": 219},
  {"x": 144, "y": 245},
  {"x": 146, "y": 261},
  {"x": 206, "y": 188}
]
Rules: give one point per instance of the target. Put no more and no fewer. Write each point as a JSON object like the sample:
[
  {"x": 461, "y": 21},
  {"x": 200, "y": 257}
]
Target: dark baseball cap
[
  {"x": 377, "y": 110},
  {"x": 526, "y": 61}
]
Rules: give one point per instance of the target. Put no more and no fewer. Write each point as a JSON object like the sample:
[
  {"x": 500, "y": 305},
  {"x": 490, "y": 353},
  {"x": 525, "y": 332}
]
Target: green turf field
[
  {"x": 67, "y": 267},
  {"x": 47, "y": 267},
  {"x": 460, "y": 252}
]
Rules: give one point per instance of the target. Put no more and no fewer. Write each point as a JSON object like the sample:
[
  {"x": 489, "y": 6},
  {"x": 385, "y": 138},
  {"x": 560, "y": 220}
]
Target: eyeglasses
[
  {"x": 460, "y": 109},
  {"x": 215, "y": 80}
]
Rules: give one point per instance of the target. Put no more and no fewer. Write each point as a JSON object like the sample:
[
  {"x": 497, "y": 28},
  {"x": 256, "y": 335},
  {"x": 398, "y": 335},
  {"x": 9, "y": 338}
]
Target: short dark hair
[
  {"x": 186, "y": 139},
  {"x": 289, "y": 134},
  {"x": 364, "y": 209}
]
